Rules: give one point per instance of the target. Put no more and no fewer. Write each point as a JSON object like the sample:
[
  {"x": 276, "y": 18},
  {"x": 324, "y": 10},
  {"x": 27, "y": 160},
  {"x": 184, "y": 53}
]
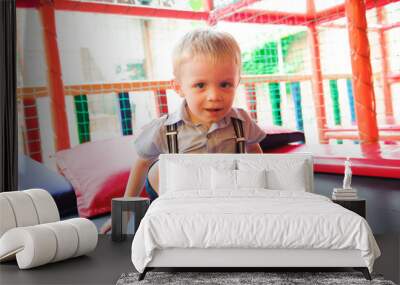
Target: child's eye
[
  {"x": 199, "y": 85},
  {"x": 226, "y": 84}
]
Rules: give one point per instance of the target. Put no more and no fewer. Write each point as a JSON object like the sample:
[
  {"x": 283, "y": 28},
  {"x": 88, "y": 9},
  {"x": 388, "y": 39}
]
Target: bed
[{"x": 247, "y": 210}]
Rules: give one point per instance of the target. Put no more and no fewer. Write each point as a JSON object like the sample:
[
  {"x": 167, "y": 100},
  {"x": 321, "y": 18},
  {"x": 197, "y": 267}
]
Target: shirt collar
[
  {"x": 180, "y": 115},
  {"x": 234, "y": 113}
]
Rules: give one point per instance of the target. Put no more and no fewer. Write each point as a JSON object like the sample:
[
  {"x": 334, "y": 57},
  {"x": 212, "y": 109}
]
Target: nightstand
[
  {"x": 357, "y": 206},
  {"x": 126, "y": 214}
]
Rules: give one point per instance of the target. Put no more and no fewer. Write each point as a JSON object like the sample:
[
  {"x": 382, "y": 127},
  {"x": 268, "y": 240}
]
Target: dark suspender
[
  {"x": 172, "y": 137},
  {"x": 240, "y": 140}
]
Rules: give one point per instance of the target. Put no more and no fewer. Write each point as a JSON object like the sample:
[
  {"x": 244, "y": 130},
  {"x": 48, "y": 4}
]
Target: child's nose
[{"x": 214, "y": 95}]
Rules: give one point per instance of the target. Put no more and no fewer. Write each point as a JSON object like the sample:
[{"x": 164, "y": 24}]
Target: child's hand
[{"x": 106, "y": 227}]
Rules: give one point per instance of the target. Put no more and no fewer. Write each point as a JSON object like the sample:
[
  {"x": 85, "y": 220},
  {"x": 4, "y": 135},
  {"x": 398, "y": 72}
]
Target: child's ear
[{"x": 177, "y": 87}]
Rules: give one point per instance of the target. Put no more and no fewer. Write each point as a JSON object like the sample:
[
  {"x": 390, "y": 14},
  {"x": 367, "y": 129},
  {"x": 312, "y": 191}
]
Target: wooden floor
[
  {"x": 110, "y": 259},
  {"x": 102, "y": 266}
]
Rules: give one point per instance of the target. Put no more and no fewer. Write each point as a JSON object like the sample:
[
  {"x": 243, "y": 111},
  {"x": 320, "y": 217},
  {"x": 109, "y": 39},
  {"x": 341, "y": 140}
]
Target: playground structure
[{"x": 349, "y": 16}]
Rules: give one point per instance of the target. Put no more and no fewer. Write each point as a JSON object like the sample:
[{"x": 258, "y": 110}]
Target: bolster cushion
[
  {"x": 40, "y": 244},
  {"x": 26, "y": 208}
]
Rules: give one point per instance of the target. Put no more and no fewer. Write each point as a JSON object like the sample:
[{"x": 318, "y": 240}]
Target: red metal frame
[
  {"x": 391, "y": 26},
  {"x": 27, "y": 3},
  {"x": 141, "y": 11},
  {"x": 363, "y": 86},
  {"x": 269, "y": 17},
  {"x": 208, "y": 5},
  {"x": 225, "y": 12},
  {"x": 55, "y": 82},
  {"x": 256, "y": 16},
  {"x": 317, "y": 81},
  {"x": 118, "y": 9},
  {"x": 339, "y": 11},
  {"x": 387, "y": 92},
  {"x": 372, "y": 27},
  {"x": 394, "y": 78},
  {"x": 161, "y": 102},
  {"x": 32, "y": 135},
  {"x": 354, "y": 128},
  {"x": 274, "y": 17}
]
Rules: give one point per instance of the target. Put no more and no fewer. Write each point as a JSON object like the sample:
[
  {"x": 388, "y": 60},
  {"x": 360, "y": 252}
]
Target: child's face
[{"x": 208, "y": 87}]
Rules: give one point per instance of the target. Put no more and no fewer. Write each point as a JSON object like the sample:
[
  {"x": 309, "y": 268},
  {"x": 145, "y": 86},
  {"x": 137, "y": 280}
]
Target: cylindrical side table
[{"x": 122, "y": 210}]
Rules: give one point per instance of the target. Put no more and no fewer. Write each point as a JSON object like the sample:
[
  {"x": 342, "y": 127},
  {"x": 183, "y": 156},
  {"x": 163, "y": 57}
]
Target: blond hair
[{"x": 205, "y": 42}]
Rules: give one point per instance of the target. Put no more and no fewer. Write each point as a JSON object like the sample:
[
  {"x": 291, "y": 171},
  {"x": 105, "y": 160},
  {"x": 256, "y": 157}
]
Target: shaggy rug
[{"x": 270, "y": 278}]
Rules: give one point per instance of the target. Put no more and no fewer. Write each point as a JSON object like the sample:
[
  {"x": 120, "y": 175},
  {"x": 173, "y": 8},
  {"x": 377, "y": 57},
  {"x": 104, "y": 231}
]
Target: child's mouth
[{"x": 213, "y": 110}]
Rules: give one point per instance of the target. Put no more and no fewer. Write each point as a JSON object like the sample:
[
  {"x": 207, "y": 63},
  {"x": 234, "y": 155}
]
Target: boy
[{"x": 206, "y": 66}]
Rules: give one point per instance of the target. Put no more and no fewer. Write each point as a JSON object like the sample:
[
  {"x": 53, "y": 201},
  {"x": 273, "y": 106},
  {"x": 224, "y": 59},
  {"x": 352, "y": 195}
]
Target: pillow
[
  {"x": 281, "y": 180},
  {"x": 223, "y": 179},
  {"x": 282, "y": 173},
  {"x": 98, "y": 172},
  {"x": 251, "y": 179},
  {"x": 182, "y": 173},
  {"x": 237, "y": 179},
  {"x": 187, "y": 177}
]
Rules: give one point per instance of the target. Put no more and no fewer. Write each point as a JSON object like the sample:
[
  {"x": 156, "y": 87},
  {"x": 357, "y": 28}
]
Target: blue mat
[{"x": 32, "y": 174}]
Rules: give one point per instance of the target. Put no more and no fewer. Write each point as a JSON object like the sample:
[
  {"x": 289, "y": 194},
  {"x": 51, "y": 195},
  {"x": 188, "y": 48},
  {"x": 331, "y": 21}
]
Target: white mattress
[{"x": 251, "y": 218}]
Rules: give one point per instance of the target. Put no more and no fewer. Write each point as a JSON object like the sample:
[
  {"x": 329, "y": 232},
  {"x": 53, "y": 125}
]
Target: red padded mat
[{"x": 367, "y": 160}]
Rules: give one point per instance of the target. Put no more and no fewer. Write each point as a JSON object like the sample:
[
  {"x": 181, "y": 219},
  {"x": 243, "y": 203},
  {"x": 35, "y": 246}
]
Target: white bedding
[{"x": 251, "y": 218}]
